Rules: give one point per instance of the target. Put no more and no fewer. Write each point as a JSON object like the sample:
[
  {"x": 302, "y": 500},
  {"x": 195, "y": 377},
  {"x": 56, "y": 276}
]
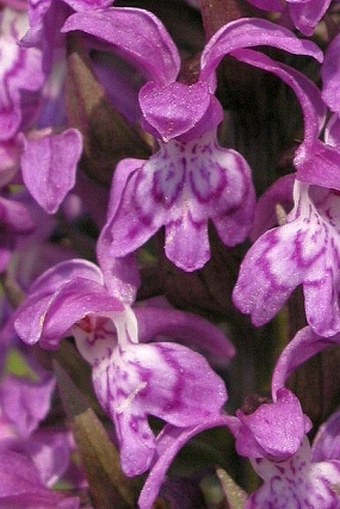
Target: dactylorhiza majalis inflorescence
[{"x": 166, "y": 169}]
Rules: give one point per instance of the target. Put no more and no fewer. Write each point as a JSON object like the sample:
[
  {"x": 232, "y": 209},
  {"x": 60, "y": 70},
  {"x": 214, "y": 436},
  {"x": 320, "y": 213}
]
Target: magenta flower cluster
[{"x": 154, "y": 360}]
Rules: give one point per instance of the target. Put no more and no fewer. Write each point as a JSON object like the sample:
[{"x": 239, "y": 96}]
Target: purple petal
[
  {"x": 83, "y": 5},
  {"x": 26, "y": 403},
  {"x": 137, "y": 34},
  {"x": 274, "y": 430},
  {"x": 174, "y": 109},
  {"x": 305, "y": 345},
  {"x": 245, "y": 33},
  {"x": 194, "y": 331},
  {"x": 51, "y": 280},
  {"x": 163, "y": 379},
  {"x": 45, "y": 313},
  {"x": 182, "y": 186},
  {"x": 326, "y": 445},
  {"x": 169, "y": 443},
  {"x": 73, "y": 302},
  {"x": 321, "y": 167},
  {"x": 122, "y": 277},
  {"x": 15, "y": 216},
  {"x": 20, "y": 70},
  {"x": 51, "y": 453},
  {"x": 49, "y": 167},
  {"x": 268, "y": 5},
  {"x": 303, "y": 251},
  {"x": 187, "y": 255},
  {"x": 306, "y": 15},
  {"x": 330, "y": 73},
  {"x": 21, "y": 486},
  {"x": 296, "y": 483}
]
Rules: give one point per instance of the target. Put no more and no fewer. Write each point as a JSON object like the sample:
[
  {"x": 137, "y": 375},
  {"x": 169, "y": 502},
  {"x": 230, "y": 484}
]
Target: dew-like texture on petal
[
  {"x": 330, "y": 73},
  {"x": 165, "y": 380},
  {"x": 303, "y": 251},
  {"x": 135, "y": 33},
  {"x": 274, "y": 430},
  {"x": 296, "y": 483},
  {"x": 49, "y": 166},
  {"x": 303, "y": 346},
  {"x": 20, "y": 69},
  {"x": 246, "y": 33},
  {"x": 182, "y": 186}
]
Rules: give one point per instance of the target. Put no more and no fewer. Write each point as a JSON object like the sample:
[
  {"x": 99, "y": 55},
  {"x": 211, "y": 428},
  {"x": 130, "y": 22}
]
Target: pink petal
[
  {"x": 49, "y": 167},
  {"x": 137, "y": 34},
  {"x": 245, "y": 33}
]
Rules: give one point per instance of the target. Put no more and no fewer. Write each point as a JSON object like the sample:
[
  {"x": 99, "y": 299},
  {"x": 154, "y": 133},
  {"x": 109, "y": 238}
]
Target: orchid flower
[
  {"x": 304, "y": 14},
  {"x": 296, "y": 482},
  {"x": 42, "y": 154},
  {"x": 294, "y": 474},
  {"x": 191, "y": 179},
  {"x": 132, "y": 379},
  {"x": 305, "y": 250}
]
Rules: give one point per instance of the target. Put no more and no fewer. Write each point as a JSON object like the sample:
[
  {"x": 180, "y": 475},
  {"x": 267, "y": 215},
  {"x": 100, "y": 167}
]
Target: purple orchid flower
[
  {"x": 304, "y": 14},
  {"x": 48, "y": 159},
  {"x": 296, "y": 482},
  {"x": 132, "y": 379},
  {"x": 190, "y": 179},
  {"x": 304, "y": 251},
  {"x": 273, "y": 437}
]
